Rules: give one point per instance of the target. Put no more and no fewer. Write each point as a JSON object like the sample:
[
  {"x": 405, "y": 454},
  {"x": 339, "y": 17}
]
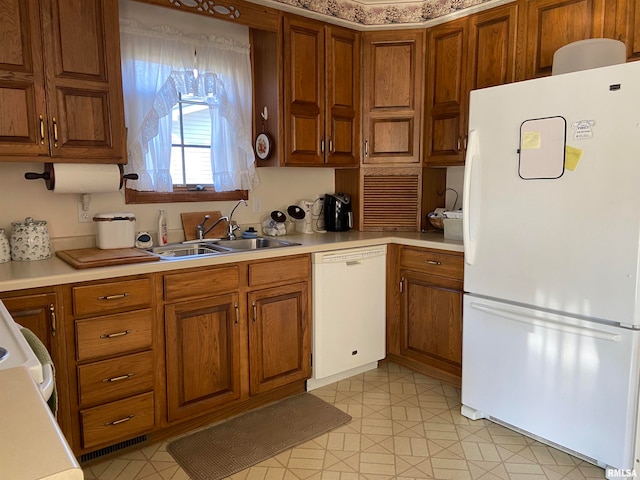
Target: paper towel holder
[{"x": 49, "y": 176}]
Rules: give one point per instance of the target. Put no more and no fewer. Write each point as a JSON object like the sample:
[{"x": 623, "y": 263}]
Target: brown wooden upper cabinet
[
  {"x": 465, "y": 54},
  {"x": 60, "y": 84},
  {"x": 631, "y": 20},
  {"x": 393, "y": 72},
  {"x": 321, "y": 94},
  {"x": 551, "y": 24}
]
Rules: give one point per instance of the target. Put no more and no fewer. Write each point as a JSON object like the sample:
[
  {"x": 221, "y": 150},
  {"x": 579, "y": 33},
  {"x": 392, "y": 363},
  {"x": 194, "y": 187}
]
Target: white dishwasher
[{"x": 348, "y": 313}]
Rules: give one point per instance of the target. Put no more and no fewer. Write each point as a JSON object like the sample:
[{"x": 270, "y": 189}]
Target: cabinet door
[
  {"x": 551, "y": 24},
  {"x": 37, "y": 313},
  {"x": 431, "y": 320},
  {"x": 279, "y": 337},
  {"x": 632, "y": 28},
  {"x": 446, "y": 93},
  {"x": 492, "y": 44},
  {"x": 22, "y": 97},
  {"x": 202, "y": 355},
  {"x": 84, "y": 86},
  {"x": 303, "y": 92},
  {"x": 342, "y": 97},
  {"x": 393, "y": 71}
]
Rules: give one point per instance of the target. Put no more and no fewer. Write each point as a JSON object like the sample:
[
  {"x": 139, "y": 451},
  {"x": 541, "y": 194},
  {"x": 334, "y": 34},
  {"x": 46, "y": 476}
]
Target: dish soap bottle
[{"x": 162, "y": 227}]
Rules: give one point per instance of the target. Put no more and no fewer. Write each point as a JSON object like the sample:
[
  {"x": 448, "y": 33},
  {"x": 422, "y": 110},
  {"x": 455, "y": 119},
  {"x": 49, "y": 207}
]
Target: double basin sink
[{"x": 216, "y": 247}]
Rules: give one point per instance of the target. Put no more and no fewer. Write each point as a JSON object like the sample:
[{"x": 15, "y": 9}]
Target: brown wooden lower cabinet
[
  {"x": 202, "y": 355},
  {"x": 279, "y": 337},
  {"x": 40, "y": 310},
  {"x": 239, "y": 333},
  {"x": 424, "y": 318}
]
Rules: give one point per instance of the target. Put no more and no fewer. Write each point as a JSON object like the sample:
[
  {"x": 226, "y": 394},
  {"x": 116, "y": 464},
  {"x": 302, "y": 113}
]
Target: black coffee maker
[{"x": 338, "y": 216}]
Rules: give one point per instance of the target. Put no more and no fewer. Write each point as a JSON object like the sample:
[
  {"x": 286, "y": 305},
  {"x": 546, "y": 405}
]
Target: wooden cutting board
[
  {"x": 190, "y": 221},
  {"x": 95, "y": 257}
]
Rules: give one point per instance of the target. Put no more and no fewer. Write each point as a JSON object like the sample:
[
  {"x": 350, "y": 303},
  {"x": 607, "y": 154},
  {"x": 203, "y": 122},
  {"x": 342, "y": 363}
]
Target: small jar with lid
[{"x": 30, "y": 240}]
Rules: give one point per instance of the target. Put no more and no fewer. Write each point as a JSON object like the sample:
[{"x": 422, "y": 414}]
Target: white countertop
[{"x": 54, "y": 271}]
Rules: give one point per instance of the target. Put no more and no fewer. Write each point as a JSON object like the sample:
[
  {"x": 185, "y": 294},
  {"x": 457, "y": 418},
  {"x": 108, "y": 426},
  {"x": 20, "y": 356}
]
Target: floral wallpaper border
[
  {"x": 407, "y": 12},
  {"x": 385, "y": 14}
]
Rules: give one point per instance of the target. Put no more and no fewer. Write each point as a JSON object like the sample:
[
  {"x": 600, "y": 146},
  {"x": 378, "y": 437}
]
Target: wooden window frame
[{"x": 181, "y": 194}]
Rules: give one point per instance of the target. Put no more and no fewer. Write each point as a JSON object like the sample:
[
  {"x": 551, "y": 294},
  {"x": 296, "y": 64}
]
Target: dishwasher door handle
[{"x": 351, "y": 263}]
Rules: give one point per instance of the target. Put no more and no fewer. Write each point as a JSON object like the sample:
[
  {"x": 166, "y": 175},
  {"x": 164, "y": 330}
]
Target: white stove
[
  {"x": 14, "y": 349},
  {"x": 32, "y": 446}
]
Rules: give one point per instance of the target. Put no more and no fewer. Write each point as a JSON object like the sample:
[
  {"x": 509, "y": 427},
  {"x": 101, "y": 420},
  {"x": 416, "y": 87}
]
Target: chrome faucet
[
  {"x": 232, "y": 227},
  {"x": 200, "y": 227}
]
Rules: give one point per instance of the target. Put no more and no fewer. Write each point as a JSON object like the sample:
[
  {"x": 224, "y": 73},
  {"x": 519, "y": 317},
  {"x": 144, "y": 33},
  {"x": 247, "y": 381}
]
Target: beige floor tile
[{"x": 404, "y": 426}]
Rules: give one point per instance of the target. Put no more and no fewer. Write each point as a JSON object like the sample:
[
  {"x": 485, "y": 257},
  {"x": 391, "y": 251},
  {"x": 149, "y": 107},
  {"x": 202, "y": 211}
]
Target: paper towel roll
[{"x": 86, "y": 178}]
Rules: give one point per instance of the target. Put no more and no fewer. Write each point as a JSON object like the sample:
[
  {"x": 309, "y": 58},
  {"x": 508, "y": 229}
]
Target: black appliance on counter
[{"x": 338, "y": 216}]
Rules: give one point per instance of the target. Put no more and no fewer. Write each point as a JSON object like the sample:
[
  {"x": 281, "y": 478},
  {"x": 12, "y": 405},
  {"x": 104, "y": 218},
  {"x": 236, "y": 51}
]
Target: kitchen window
[{"x": 188, "y": 114}]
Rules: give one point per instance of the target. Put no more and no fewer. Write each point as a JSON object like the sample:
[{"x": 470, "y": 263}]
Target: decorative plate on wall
[{"x": 263, "y": 146}]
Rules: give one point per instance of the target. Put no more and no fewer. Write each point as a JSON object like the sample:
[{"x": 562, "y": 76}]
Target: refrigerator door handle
[
  {"x": 472, "y": 157},
  {"x": 548, "y": 323}
]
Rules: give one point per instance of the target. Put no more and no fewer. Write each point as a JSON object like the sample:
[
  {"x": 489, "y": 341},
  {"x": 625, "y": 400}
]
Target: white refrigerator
[{"x": 551, "y": 318}]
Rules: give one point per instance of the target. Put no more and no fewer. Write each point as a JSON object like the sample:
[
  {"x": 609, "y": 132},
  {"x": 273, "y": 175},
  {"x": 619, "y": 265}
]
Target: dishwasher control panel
[{"x": 350, "y": 255}]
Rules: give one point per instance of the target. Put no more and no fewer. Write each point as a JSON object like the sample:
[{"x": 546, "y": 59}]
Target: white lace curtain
[{"x": 157, "y": 64}]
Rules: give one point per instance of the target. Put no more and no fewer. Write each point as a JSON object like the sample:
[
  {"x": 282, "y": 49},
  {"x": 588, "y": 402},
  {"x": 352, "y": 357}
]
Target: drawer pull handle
[
  {"x": 117, "y": 379},
  {"x": 118, "y": 422},
  {"x": 114, "y": 335},
  {"x": 114, "y": 297},
  {"x": 434, "y": 262}
]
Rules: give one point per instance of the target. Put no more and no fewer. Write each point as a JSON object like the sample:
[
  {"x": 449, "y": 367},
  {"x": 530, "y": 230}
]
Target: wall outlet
[
  {"x": 84, "y": 216},
  {"x": 257, "y": 204}
]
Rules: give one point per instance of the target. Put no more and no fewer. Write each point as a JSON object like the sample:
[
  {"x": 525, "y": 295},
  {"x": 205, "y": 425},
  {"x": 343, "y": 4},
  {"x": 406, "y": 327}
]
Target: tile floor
[{"x": 405, "y": 426}]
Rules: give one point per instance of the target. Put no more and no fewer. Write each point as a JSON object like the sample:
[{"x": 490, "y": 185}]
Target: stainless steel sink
[
  {"x": 253, "y": 244},
  {"x": 182, "y": 250},
  {"x": 176, "y": 251}
]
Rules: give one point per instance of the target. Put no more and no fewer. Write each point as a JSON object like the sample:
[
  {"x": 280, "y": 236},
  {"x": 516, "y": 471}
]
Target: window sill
[{"x": 182, "y": 195}]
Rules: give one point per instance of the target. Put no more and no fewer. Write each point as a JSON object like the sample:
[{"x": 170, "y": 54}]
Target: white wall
[
  {"x": 20, "y": 198},
  {"x": 455, "y": 180}
]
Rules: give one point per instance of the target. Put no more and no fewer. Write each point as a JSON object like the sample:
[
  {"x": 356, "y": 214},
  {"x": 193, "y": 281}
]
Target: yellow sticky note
[
  {"x": 530, "y": 140},
  {"x": 572, "y": 156}
]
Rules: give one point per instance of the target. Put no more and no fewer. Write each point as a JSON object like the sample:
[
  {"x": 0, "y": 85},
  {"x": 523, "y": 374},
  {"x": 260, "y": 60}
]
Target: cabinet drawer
[
  {"x": 435, "y": 263},
  {"x": 113, "y": 334},
  {"x": 111, "y": 297},
  {"x": 271, "y": 272},
  {"x": 201, "y": 283},
  {"x": 120, "y": 377},
  {"x": 117, "y": 421}
]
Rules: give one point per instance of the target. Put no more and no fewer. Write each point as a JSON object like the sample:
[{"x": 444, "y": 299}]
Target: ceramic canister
[
  {"x": 30, "y": 240},
  {"x": 5, "y": 251}
]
